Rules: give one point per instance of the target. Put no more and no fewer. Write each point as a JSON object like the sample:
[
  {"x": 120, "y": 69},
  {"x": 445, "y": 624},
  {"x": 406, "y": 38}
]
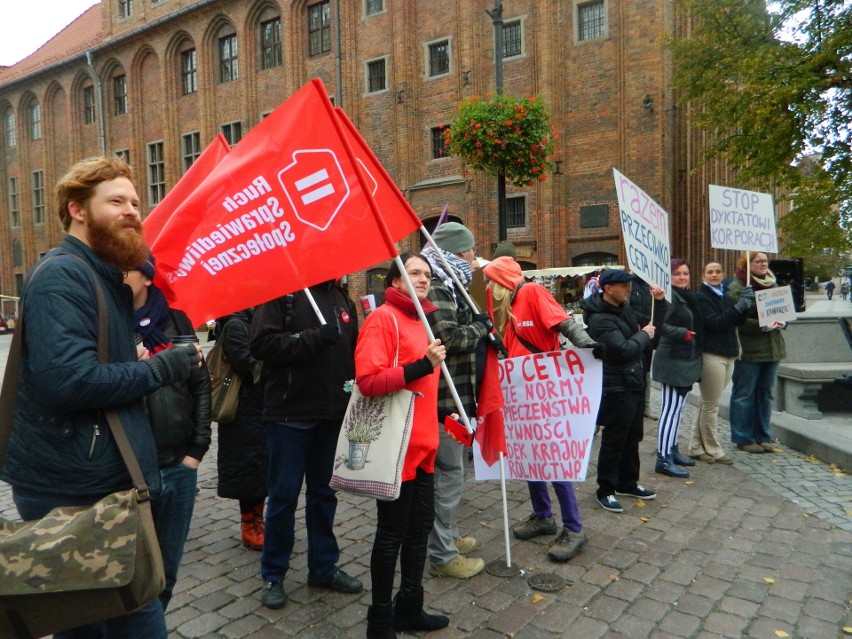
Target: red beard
[{"x": 114, "y": 244}]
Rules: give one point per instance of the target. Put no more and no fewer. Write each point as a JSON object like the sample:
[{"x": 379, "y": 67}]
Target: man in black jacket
[
  {"x": 610, "y": 320},
  {"x": 305, "y": 366},
  {"x": 61, "y": 452}
]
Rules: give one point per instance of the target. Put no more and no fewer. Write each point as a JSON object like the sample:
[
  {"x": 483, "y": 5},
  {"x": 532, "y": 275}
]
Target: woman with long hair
[
  {"x": 393, "y": 353},
  {"x": 755, "y": 371},
  {"x": 676, "y": 366}
]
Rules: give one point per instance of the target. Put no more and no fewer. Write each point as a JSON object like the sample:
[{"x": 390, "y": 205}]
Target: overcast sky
[{"x": 25, "y": 25}]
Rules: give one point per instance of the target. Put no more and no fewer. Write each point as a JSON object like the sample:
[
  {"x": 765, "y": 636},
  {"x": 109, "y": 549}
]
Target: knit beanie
[
  {"x": 453, "y": 237},
  {"x": 505, "y": 248},
  {"x": 505, "y": 271}
]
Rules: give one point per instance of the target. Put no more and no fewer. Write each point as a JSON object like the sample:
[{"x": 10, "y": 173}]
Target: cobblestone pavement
[{"x": 756, "y": 549}]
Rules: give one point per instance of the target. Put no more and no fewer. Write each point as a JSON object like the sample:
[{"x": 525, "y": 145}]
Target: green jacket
[{"x": 757, "y": 345}]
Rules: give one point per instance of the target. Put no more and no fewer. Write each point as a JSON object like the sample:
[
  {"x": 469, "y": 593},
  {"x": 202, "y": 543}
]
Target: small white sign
[
  {"x": 742, "y": 220},
  {"x": 775, "y": 305}
]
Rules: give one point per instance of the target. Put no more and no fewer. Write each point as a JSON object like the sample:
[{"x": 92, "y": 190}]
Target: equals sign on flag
[{"x": 315, "y": 186}]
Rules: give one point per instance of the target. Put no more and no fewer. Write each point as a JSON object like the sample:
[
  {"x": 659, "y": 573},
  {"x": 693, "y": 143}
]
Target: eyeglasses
[{"x": 760, "y": 261}]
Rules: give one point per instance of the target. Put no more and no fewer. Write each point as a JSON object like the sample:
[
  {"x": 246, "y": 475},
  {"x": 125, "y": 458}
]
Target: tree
[
  {"x": 771, "y": 95},
  {"x": 508, "y": 135}
]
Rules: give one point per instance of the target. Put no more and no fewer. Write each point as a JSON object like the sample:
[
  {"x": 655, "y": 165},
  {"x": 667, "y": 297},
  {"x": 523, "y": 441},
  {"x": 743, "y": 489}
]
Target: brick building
[{"x": 156, "y": 80}]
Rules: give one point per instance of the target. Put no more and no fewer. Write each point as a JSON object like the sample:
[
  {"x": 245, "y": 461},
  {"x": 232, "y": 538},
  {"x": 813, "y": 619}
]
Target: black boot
[
  {"x": 408, "y": 613},
  {"x": 679, "y": 459},
  {"x": 666, "y": 466},
  {"x": 380, "y": 621}
]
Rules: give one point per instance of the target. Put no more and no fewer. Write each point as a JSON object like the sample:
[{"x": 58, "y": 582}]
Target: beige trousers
[{"x": 715, "y": 376}]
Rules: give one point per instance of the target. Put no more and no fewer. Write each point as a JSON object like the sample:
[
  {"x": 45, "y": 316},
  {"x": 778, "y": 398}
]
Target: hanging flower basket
[{"x": 504, "y": 134}]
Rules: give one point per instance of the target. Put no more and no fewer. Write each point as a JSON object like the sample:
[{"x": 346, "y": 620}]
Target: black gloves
[
  {"x": 599, "y": 350},
  {"x": 746, "y": 300},
  {"x": 483, "y": 319},
  {"x": 174, "y": 364},
  {"x": 497, "y": 342},
  {"x": 329, "y": 334}
]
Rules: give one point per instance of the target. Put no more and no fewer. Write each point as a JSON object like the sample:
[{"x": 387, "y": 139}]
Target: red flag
[
  {"x": 287, "y": 208},
  {"x": 490, "y": 432},
  {"x": 153, "y": 225}
]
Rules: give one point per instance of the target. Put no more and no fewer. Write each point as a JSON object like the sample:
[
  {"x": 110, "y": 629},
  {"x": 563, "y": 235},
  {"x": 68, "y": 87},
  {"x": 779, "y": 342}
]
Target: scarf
[
  {"x": 402, "y": 301},
  {"x": 150, "y": 321},
  {"x": 462, "y": 269},
  {"x": 759, "y": 283}
]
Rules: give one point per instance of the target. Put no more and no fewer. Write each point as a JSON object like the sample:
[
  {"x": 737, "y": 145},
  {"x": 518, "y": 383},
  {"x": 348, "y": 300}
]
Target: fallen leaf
[
  {"x": 806, "y": 514},
  {"x": 847, "y": 630},
  {"x": 536, "y": 598},
  {"x": 614, "y": 577},
  {"x": 688, "y": 482},
  {"x": 645, "y": 519},
  {"x": 769, "y": 580},
  {"x": 781, "y": 633},
  {"x": 640, "y": 504}
]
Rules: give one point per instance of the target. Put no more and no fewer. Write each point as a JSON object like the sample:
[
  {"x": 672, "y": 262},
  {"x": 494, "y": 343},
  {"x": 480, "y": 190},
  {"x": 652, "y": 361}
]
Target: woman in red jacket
[{"x": 393, "y": 353}]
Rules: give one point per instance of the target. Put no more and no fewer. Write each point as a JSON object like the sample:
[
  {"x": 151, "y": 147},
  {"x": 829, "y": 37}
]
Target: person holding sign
[
  {"x": 530, "y": 321},
  {"x": 720, "y": 349},
  {"x": 755, "y": 371},
  {"x": 676, "y": 366},
  {"x": 393, "y": 333},
  {"x": 613, "y": 322}
]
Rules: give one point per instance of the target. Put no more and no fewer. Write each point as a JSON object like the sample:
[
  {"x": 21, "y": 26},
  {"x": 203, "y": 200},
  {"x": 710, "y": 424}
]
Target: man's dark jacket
[
  {"x": 61, "y": 444},
  {"x": 620, "y": 328},
  {"x": 303, "y": 378}
]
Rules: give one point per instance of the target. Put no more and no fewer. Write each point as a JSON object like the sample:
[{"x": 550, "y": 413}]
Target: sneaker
[
  {"x": 338, "y": 582},
  {"x": 754, "y": 449},
  {"x": 724, "y": 459},
  {"x": 640, "y": 492},
  {"x": 459, "y": 568},
  {"x": 273, "y": 595},
  {"x": 567, "y": 545},
  {"x": 534, "y": 527},
  {"x": 610, "y": 503},
  {"x": 465, "y": 545}
]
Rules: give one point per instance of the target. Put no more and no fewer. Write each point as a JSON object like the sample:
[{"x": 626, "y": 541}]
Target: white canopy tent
[{"x": 567, "y": 271}]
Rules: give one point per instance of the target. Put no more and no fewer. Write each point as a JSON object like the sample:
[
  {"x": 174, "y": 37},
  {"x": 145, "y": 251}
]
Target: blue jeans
[
  {"x": 751, "y": 401},
  {"x": 300, "y": 452},
  {"x": 149, "y": 621},
  {"x": 172, "y": 511}
]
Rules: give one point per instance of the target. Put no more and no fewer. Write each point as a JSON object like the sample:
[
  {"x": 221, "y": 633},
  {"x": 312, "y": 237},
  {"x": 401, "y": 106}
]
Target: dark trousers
[
  {"x": 300, "y": 453},
  {"x": 621, "y": 415},
  {"x": 402, "y": 531}
]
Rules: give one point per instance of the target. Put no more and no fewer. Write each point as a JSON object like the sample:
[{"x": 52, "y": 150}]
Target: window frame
[
  {"x": 229, "y": 65},
  {"x": 374, "y": 12},
  {"x": 125, "y": 9},
  {"x": 519, "y": 21},
  {"x": 190, "y": 148},
  {"x": 89, "y": 113},
  {"x": 510, "y": 224},
  {"x": 227, "y": 130},
  {"x": 156, "y": 165},
  {"x": 323, "y": 8},
  {"x": 437, "y": 135},
  {"x": 583, "y": 34},
  {"x": 368, "y": 78},
  {"x": 189, "y": 74},
  {"x": 34, "y": 113},
  {"x": 10, "y": 129},
  {"x": 38, "y": 196},
  {"x": 271, "y": 52},
  {"x": 124, "y": 154},
  {"x": 119, "y": 94},
  {"x": 429, "y": 47},
  {"x": 13, "y": 199}
]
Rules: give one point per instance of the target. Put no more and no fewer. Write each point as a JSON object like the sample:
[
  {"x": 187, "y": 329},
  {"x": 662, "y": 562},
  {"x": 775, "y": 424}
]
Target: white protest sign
[
  {"x": 742, "y": 220},
  {"x": 551, "y": 406},
  {"x": 775, "y": 305},
  {"x": 645, "y": 227}
]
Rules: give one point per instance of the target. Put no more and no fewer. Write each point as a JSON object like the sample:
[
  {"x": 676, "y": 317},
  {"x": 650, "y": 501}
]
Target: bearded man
[{"x": 61, "y": 451}]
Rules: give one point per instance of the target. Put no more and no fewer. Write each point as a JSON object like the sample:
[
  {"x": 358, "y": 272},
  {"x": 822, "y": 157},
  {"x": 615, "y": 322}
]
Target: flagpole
[
  {"x": 506, "y": 539},
  {"x": 313, "y": 303}
]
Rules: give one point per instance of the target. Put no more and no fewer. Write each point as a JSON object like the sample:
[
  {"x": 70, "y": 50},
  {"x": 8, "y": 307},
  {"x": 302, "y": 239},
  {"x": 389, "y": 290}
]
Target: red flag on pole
[
  {"x": 490, "y": 432},
  {"x": 158, "y": 219},
  {"x": 287, "y": 208}
]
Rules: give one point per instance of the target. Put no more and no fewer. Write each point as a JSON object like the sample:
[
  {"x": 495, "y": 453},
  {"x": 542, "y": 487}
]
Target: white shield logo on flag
[{"x": 315, "y": 186}]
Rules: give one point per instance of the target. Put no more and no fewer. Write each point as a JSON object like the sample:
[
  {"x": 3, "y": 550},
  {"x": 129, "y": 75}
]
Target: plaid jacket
[{"x": 451, "y": 324}]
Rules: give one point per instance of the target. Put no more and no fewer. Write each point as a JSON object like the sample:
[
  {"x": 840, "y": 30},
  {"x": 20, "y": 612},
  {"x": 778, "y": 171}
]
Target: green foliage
[
  {"x": 769, "y": 102},
  {"x": 504, "y": 134}
]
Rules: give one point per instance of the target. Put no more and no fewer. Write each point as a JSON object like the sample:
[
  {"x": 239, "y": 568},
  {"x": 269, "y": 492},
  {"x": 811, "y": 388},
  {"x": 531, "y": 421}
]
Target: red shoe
[{"x": 252, "y": 537}]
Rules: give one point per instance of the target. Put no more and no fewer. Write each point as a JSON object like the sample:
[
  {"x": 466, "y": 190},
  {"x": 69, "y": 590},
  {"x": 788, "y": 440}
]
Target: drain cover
[
  {"x": 498, "y": 568},
  {"x": 546, "y": 582}
]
